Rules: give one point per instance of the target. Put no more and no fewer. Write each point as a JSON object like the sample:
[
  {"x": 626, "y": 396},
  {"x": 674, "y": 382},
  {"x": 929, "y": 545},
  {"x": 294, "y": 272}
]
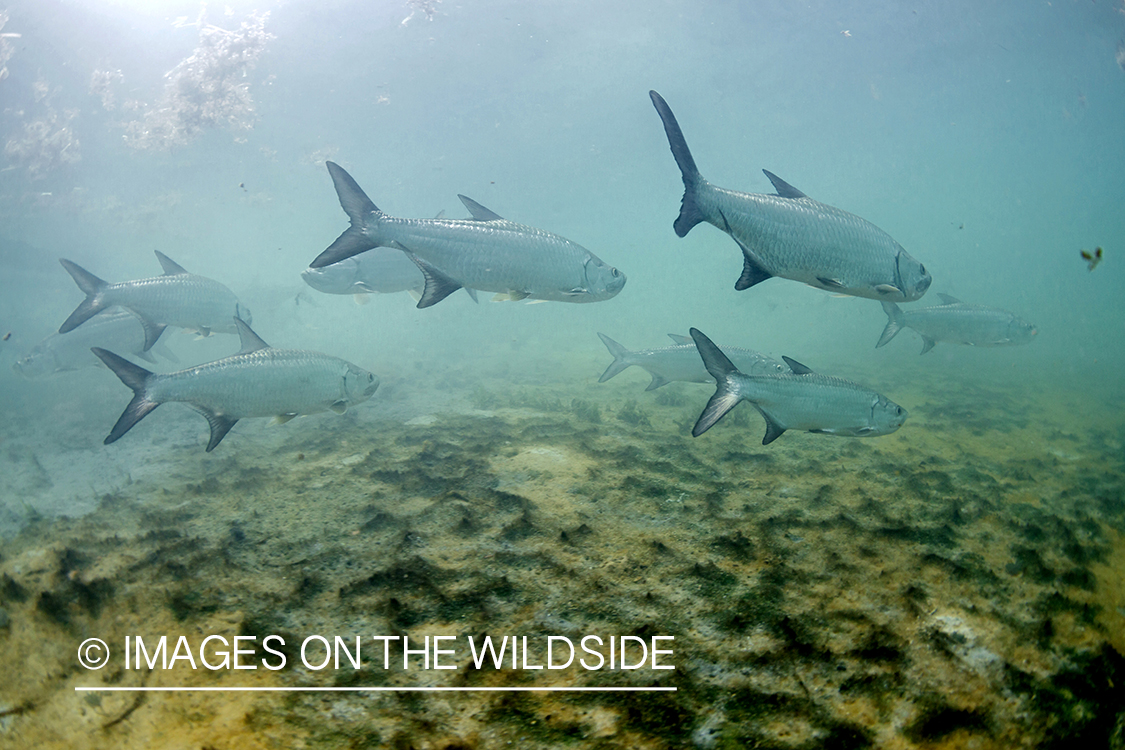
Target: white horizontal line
[{"x": 371, "y": 689}]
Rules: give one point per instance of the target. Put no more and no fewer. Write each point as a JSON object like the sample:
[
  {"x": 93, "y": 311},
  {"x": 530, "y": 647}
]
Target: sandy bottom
[{"x": 959, "y": 584}]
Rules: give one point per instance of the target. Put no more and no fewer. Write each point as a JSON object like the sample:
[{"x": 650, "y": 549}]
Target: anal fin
[
  {"x": 220, "y": 426},
  {"x": 438, "y": 284}
]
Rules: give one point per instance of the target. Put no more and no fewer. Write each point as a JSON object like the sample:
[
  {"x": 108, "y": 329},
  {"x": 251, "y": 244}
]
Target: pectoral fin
[
  {"x": 828, "y": 283},
  {"x": 339, "y": 407},
  {"x": 512, "y": 295}
]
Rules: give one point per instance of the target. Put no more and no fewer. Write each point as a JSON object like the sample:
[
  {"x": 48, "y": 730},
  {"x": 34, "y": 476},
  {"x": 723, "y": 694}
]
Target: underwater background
[{"x": 959, "y": 583}]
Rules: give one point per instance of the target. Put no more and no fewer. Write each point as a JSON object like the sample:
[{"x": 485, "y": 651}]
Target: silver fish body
[
  {"x": 259, "y": 381},
  {"x": 486, "y": 252},
  {"x": 958, "y": 323},
  {"x": 681, "y": 362},
  {"x": 177, "y": 298},
  {"x": 792, "y": 236},
  {"x": 381, "y": 270},
  {"x": 62, "y": 352},
  {"x": 799, "y": 400}
]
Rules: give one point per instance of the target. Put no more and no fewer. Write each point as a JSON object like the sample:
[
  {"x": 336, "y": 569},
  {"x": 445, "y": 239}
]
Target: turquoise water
[{"x": 986, "y": 140}]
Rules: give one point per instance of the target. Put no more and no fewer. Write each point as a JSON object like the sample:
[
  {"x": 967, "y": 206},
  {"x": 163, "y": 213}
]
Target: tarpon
[
  {"x": 793, "y": 236},
  {"x": 258, "y": 381},
  {"x": 486, "y": 252},
  {"x": 380, "y": 270},
  {"x": 681, "y": 363},
  {"x": 61, "y": 352},
  {"x": 177, "y": 298},
  {"x": 798, "y": 400},
  {"x": 957, "y": 323}
]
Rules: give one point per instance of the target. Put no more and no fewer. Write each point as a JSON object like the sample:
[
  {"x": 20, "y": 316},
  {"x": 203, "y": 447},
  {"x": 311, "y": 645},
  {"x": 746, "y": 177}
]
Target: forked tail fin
[
  {"x": 894, "y": 323},
  {"x": 690, "y": 215},
  {"x": 92, "y": 305},
  {"x": 359, "y": 208},
  {"x": 727, "y": 394},
  {"x": 135, "y": 377},
  {"x": 618, "y": 364}
]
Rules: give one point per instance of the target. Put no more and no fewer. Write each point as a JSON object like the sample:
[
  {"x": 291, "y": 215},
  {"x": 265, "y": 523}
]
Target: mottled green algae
[{"x": 822, "y": 592}]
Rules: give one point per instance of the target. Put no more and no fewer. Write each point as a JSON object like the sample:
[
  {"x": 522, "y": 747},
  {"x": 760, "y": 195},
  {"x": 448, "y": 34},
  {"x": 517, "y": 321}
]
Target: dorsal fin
[
  {"x": 948, "y": 300},
  {"x": 783, "y": 188},
  {"x": 251, "y": 342},
  {"x": 797, "y": 367},
  {"x": 677, "y": 338},
  {"x": 171, "y": 267},
  {"x": 479, "y": 212}
]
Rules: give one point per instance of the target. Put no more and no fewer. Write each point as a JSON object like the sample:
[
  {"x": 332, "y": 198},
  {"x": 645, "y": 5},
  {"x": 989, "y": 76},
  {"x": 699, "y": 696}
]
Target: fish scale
[
  {"x": 488, "y": 252},
  {"x": 958, "y": 323},
  {"x": 457, "y": 247},
  {"x": 804, "y": 240},
  {"x": 798, "y": 400},
  {"x": 265, "y": 383},
  {"x": 681, "y": 362},
  {"x": 792, "y": 236},
  {"x": 176, "y": 298},
  {"x": 182, "y": 300},
  {"x": 259, "y": 381}
]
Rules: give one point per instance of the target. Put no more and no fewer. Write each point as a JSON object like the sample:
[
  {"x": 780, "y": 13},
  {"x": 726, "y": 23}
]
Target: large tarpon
[
  {"x": 60, "y": 352},
  {"x": 957, "y": 323},
  {"x": 259, "y": 381},
  {"x": 486, "y": 252},
  {"x": 681, "y": 363},
  {"x": 793, "y": 236},
  {"x": 799, "y": 400},
  {"x": 177, "y": 298}
]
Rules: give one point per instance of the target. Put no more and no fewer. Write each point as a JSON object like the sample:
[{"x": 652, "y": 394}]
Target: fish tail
[
  {"x": 894, "y": 322},
  {"x": 94, "y": 302},
  {"x": 359, "y": 209},
  {"x": 135, "y": 377},
  {"x": 690, "y": 213},
  {"x": 727, "y": 391},
  {"x": 619, "y": 353}
]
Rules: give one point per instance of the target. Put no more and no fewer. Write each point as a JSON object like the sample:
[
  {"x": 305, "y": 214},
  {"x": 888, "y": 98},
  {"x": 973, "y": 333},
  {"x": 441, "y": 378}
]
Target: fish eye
[{"x": 921, "y": 269}]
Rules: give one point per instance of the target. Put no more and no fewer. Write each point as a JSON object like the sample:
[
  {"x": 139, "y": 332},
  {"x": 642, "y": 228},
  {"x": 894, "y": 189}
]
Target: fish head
[
  {"x": 886, "y": 417},
  {"x": 601, "y": 281},
  {"x": 38, "y": 362},
  {"x": 338, "y": 278},
  {"x": 359, "y": 384},
  {"x": 911, "y": 277},
  {"x": 1021, "y": 331},
  {"x": 242, "y": 312}
]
